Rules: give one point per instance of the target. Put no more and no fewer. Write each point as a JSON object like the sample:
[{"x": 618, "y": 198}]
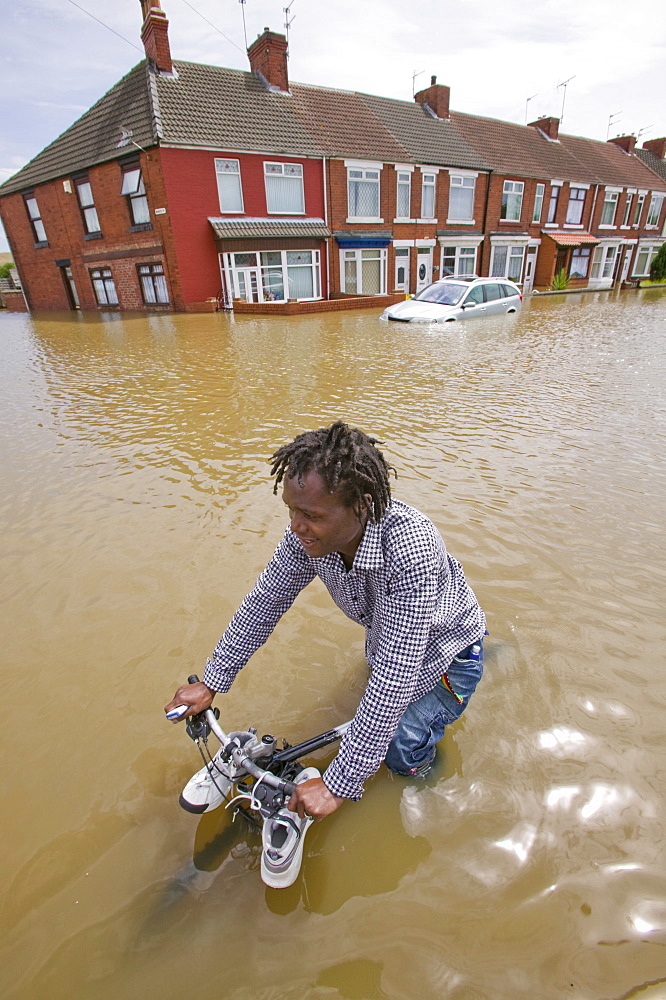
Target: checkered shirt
[{"x": 417, "y": 609}]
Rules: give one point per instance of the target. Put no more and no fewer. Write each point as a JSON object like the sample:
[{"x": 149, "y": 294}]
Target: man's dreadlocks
[{"x": 346, "y": 459}]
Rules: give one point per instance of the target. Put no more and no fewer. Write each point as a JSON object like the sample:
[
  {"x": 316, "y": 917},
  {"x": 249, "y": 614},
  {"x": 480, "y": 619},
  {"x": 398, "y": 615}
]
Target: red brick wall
[{"x": 191, "y": 189}]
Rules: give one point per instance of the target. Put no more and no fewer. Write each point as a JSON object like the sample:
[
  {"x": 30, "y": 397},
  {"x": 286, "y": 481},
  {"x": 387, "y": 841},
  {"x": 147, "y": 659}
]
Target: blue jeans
[{"x": 424, "y": 721}]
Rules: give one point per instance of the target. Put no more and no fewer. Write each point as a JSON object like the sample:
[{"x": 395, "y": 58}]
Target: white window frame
[
  {"x": 603, "y": 262},
  {"x": 261, "y": 271},
  {"x": 650, "y": 250},
  {"x": 290, "y": 172},
  {"x": 461, "y": 252},
  {"x": 538, "y": 201},
  {"x": 349, "y": 254},
  {"x": 611, "y": 198},
  {"x": 512, "y": 196},
  {"x": 87, "y": 207},
  {"x": 133, "y": 188},
  {"x": 640, "y": 201},
  {"x": 627, "y": 209},
  {"x": 370, "y": 173},
  {"x": 654, "y": 211},
  {"x": 514, "y": 251},
  {"x": 429, "y": 189},
  {"x": 227, "y": 167},
  {"x": 460, "y": 179},
  {"x": 35, "y": 216},
  {"x": 403, "y": 174}
]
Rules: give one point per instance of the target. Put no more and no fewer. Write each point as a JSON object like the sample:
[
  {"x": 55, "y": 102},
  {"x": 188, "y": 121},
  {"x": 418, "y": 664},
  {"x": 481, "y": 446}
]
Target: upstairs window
[
  {"x": 461, "y": 198},
  {"x": 654, "y": 211},
  {"x": 609, "y": 207},
  {"x": 428, "y": 196},
  {"x": 133, "y": 189},
  {"x": 363, "y": 193},
  {"x": 404, "y": 191},
  {"x": 538, "y": 202},
  {"x": 640, "y": 201},
  {"x": 552, "y": 202},
  {"x": 35, "y": 217},
  {"x": 512, "y": 201},
  {"x": 284, "y": 188},
  {"x": 627, "y": 210},
  {"x": 575, "y": 206},
  {"x": 87, "y": 205},
  {"x": 229, "y": 189}
]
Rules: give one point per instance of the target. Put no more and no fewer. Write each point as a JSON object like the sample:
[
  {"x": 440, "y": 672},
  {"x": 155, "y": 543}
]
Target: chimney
[
  {"x": 155, "y": 36},
  {"x": 656, "y": 146},
  {"x": 549, "y": 126},
  {"x": 435, "y": 97},
  {"x": 268, "y": 60},
  {"x": 625, "y": 142}
]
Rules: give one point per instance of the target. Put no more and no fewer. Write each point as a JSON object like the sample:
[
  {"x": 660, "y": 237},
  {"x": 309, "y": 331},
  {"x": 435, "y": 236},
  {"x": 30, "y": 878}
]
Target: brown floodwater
[{"x": 137, "y": 513}]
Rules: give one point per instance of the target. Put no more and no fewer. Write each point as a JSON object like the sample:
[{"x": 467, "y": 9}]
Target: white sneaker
[
  {"x": 282, "y": 836},
  {"x": 208, "y": 788}
]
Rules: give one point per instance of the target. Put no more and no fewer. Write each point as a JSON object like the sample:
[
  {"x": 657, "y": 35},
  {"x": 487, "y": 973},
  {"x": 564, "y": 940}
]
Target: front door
[
  {"x": 423, "y": 268},
  {"x": 70, "y": 287},
  {"x": 401, "y": 269},
  {"x": 530, "y": 264},
  {"x": 246, "y": 283}
]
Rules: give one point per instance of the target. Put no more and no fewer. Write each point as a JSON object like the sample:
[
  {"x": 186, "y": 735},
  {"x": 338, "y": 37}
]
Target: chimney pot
[{"x": 433, "y": 81}]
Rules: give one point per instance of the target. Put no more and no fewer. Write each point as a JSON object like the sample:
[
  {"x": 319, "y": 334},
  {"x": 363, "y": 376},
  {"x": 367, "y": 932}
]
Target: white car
[{"x": 451, "y": 299}]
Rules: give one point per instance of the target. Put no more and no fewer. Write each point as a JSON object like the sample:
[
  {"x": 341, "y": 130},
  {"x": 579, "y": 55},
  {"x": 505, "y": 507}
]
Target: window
[
  {"x": 35, "y": 217},
  {"x": 104, "y": 287},
  {"x": 575, "y": 206},
  {"x": 538, "y": 202},
  {"x": 153, "y": 284},
  {"x": 627, "y": 210},
  {"x": 229, "y": 189},
  {"x": 363, "y": 193},
  {"x": 458, "y": 260},
  {"x": 273, "y": 275},
  {"x": 654, "y": 211},
  {"x": 132, "y": 188},
  {"x": 580, "y": 262},
  {"x": 552, "y": 202},
  {"x": 364, "y": 271},
  {"x": 284, "y": 188},
  {"x": 428, "y": 196},
  {"x": 512, "y": 201},
  {"x": 644, "y": 257},
  {"x": 603, "y": 261},
  {"x": 87, "y": 205},
  {"x": 609, "y": 207},
  {"x": 507, "y": 262},
  {"x": 461, "y": 199},
  {"x": 404, "y": 195},
  {"x": 640, "y": 201}
]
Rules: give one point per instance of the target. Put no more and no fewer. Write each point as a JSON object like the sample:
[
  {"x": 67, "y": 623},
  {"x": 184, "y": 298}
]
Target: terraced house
[{"x": 193, "y": 187}]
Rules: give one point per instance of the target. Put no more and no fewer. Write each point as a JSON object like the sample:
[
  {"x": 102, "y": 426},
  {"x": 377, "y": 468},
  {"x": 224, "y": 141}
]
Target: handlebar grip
[
  {"x": 193, "y": 679},
  {"x": 288, "y": 788}
]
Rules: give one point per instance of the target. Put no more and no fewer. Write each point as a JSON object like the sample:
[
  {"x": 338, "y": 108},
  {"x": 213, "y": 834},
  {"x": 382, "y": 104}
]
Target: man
[{"x": 386, "y": 566}]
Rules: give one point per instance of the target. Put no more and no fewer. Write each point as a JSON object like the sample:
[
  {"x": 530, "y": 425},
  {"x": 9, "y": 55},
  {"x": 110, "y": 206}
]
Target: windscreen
[{"x": 446, "y": 294}]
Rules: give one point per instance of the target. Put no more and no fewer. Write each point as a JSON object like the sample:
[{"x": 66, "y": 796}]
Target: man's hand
[
  {"x": 312, "y": 798},
  {"x": 198, "y": 696}
]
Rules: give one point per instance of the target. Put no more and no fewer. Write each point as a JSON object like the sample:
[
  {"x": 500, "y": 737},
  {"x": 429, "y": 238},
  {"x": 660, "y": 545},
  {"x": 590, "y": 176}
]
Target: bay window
[
  {"x": 580, "y": 262},
  {"x": 284, "y": 188},
  {"x": 428, "y": 196},
  {"x": 575, "y": 207},
  {"x": 603, "y": 261},
  {"x": 646, "y": 254},
  {"x": 461, "y": 198},
  {"x": 512, "y": 201},
  {"x": 507, "y": 262},
  {"x": 229, "y": 189},
  {"x": 273, "y": 275},
  {"x": 363, "y": 193},
  {"x": 459, "y": 261}
]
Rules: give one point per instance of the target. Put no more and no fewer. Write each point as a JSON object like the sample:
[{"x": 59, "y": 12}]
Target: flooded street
[{"x": 138, "y": 512}]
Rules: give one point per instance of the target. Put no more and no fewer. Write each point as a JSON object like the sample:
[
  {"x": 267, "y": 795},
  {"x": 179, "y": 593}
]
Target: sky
[{"x": 57, "y": 57}]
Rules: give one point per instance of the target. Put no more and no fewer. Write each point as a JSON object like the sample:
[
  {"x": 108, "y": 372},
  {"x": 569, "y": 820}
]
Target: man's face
[{"x": 320, "y": 520}]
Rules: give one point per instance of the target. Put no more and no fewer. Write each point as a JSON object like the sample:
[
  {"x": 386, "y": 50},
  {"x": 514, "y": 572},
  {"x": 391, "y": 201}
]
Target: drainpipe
[
  {"x": 327, "y": 241},
  {"x": 589, "y": 228},
  {"x": 485, "y": 218}
]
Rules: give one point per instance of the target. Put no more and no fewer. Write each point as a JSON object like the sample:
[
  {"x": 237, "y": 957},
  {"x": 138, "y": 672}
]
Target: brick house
[{"x": 188, "y": 186}]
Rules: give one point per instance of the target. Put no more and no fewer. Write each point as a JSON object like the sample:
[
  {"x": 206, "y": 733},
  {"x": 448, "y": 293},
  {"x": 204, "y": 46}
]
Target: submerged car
[{"x": 451, "y": 299}]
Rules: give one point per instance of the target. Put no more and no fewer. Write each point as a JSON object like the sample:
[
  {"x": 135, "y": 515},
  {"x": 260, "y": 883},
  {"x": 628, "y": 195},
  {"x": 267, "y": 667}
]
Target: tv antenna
[
  {"x": 242, "y": 3},
  {"x": 127, "y": 140},
  {"x": 641, "y": 131},
  {"x": 416, "y": 73},
  {"x": 527, "y": 104},
  {"x": 611, "y": 121},
  {"x": 564, "y": 95},
  {"x": 288, "y": 21}
]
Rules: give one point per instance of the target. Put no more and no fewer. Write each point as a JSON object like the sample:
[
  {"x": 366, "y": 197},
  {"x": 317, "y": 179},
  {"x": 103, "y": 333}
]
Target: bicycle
[{"x": 262, "y": 779}]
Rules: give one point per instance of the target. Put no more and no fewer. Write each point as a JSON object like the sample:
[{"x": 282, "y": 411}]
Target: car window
[
  {"x": 475, "y": 294},
  {"x": 493, "y": 291},
  {"x": 509, "y": 291},
  {"x": 446, "y": 294}
]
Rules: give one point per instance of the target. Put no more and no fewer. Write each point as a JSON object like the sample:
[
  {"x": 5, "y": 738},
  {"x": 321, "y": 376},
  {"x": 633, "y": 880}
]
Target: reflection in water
[{"x": 138, "y": 513}]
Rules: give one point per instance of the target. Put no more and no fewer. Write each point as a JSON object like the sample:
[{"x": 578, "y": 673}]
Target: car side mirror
[{"x": 468, "y": 305}]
